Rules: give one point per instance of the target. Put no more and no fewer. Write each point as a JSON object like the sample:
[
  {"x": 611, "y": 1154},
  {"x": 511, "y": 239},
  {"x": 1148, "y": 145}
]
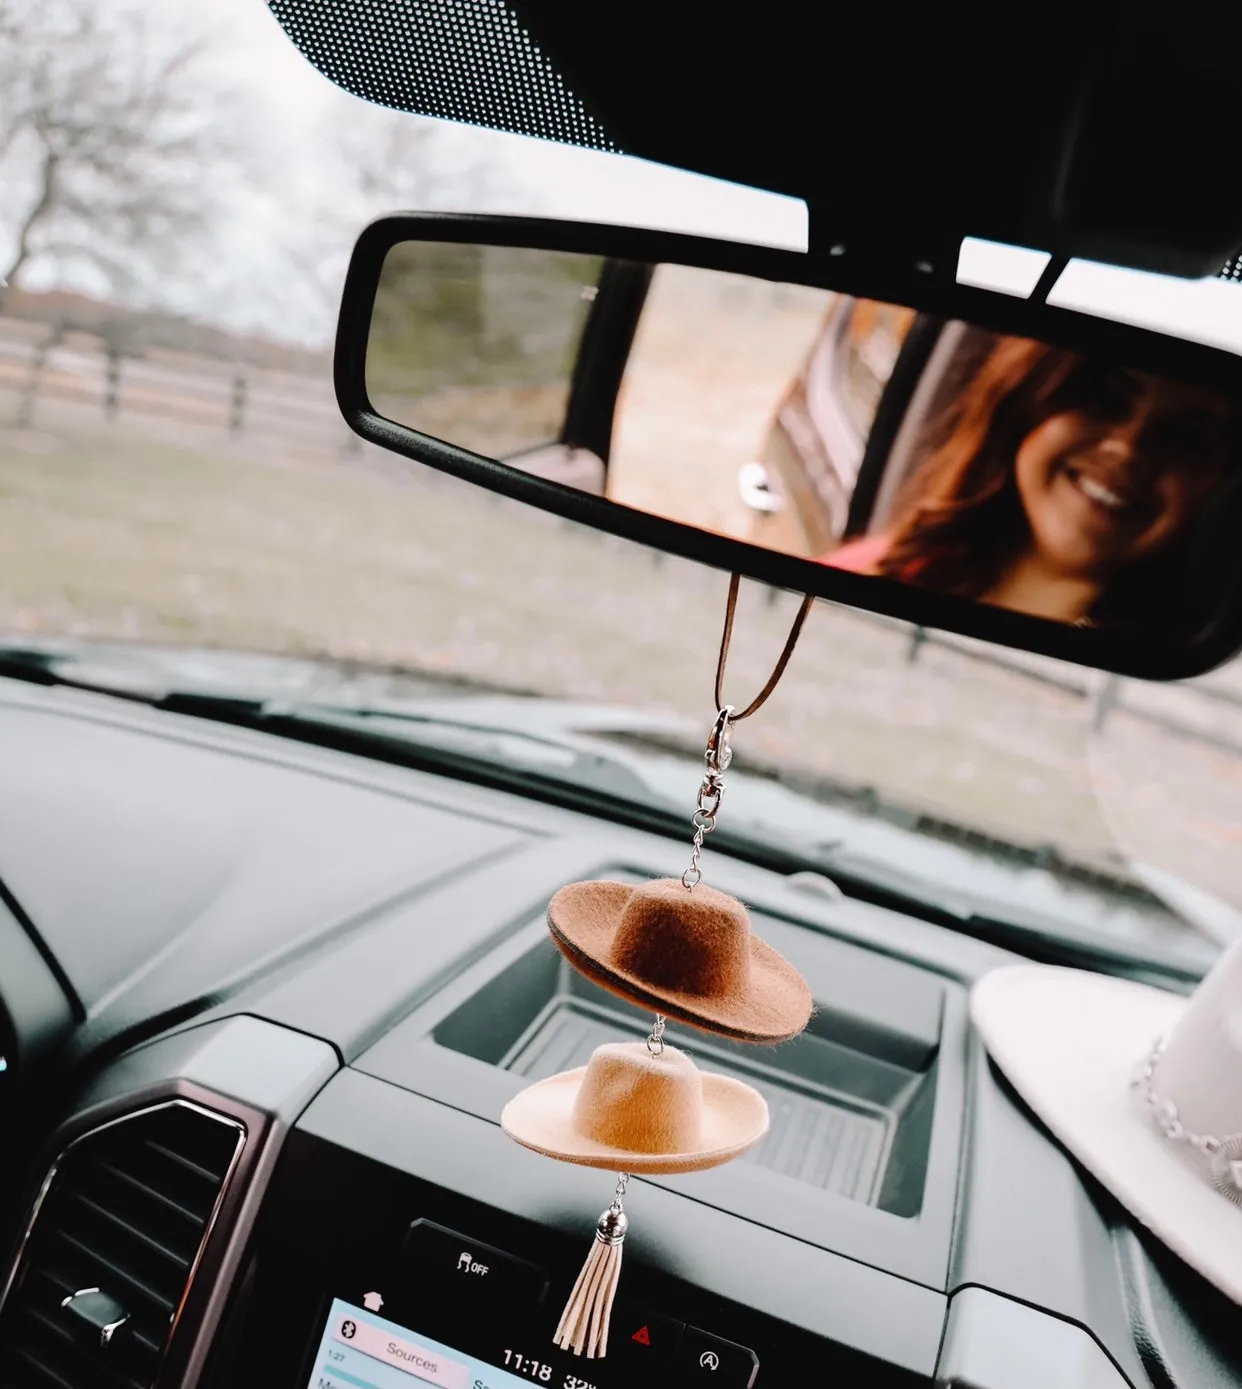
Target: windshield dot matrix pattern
[
  {"x": 1232, "y": 270},
  {"x": 459, "y": 60}
]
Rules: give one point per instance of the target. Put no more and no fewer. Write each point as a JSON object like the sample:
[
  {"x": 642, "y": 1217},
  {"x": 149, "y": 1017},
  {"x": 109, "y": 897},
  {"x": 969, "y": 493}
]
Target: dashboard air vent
[{"x": 113, "y": 1243}]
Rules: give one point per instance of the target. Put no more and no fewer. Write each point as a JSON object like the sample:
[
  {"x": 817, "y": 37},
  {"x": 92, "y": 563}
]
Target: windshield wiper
[
  {"x": 556, "y": 772},
  {"x": 522, "y": 760},
  {"x": 40, "y": 667},
  {"x": 1039, "y": 936}
]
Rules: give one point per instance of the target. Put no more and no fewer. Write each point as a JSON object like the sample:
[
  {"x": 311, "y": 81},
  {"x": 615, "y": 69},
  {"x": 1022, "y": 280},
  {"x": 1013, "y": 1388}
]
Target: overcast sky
[
  {"x": 288, "y": 213},
  {"x": 295, "y": 198}
]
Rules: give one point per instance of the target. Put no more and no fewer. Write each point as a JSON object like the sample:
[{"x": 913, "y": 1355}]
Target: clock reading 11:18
[
  {"x": 538, "y": 1370},
  {"x": 525, "y": 1365}
]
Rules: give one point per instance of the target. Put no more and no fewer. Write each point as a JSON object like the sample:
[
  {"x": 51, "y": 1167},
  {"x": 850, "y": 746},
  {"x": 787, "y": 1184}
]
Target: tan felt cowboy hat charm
[
  {"x": 1142, "y": 1086},
  {"x": 634, "y": 1107},
  {"x": 685, "y": 951}
]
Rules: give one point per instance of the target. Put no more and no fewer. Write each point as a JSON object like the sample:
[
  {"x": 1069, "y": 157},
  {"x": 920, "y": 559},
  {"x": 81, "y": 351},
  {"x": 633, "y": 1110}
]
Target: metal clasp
[
  {"x": 719, "y": 750},
  {"x": 717, "y": 758}
]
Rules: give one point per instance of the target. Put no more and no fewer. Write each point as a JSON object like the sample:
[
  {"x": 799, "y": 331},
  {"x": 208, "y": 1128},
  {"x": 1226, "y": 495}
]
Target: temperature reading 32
[{"x": 573, "y": 1382}]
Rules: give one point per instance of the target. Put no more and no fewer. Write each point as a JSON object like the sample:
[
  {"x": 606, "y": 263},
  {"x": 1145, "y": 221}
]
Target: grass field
[{"x": 107, "y": 530}]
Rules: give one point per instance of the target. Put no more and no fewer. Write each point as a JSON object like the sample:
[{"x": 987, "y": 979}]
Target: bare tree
[
  {"x": 102, "y": 133},
  {"x": 383, "y": 161},
  {"x": 399, "y": 162},
  {"x": 376, "y": 161}
]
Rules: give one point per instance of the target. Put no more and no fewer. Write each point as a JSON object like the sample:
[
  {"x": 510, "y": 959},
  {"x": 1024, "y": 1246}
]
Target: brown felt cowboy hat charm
[{"x": 687, "y": 952}]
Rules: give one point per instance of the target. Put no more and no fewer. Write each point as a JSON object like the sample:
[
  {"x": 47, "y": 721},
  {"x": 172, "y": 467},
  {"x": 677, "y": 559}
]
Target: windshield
[{"x": 175, "y": 476}]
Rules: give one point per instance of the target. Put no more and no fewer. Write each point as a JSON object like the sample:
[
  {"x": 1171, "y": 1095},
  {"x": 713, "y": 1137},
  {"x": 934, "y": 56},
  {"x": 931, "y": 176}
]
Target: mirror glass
[
  {"x": 848, "y": 432},
  {"x": 477, "y": 345}
]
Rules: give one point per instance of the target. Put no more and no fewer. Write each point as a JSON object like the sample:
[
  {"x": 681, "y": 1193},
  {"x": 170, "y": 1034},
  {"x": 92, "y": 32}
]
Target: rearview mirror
[{"x": 876, "y": 435}]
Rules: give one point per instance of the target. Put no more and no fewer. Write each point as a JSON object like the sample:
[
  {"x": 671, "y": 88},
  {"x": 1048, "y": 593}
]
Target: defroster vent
[{"x": 112, "y": 1247}]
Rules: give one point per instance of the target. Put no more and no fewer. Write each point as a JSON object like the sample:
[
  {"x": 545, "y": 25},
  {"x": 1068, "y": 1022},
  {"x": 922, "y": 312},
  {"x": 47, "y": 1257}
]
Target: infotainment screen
[{"x": 362, "y": 1349}]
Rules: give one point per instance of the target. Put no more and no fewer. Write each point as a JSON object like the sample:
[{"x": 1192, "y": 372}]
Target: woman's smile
[
  {"x": 1111, "y": 500},
  {"x": 1104, "y": 490}
]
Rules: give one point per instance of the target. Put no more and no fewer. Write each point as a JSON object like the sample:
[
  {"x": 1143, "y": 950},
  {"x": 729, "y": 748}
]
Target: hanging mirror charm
[{"x": 647, "y": 1108}]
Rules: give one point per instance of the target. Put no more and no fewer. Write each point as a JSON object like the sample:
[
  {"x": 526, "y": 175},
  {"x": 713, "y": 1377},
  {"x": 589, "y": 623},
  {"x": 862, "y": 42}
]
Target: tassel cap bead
[{"x": 612, "y": 1227}]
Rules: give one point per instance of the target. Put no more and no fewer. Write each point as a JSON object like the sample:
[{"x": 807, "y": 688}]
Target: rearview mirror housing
[{"x": 876, "y": 435}]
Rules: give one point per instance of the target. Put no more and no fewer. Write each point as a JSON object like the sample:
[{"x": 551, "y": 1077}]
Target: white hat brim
[
  {"x": 1069, "y": 1043},
  {"x": 735, "y": 1118}
]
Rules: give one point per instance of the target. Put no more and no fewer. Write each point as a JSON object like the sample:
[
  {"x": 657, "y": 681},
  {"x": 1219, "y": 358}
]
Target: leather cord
[{"x": 782, "y": 661}]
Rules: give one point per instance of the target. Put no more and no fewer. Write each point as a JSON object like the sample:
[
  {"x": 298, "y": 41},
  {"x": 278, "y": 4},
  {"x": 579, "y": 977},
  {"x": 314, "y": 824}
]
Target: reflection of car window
[
  {"x": 870, "y": 341},
  {"x": 712, "y": 355}
]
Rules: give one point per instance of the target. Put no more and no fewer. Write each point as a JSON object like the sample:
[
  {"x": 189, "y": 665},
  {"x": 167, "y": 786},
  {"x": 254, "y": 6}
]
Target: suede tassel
[{"x": 584, "y": 1322}]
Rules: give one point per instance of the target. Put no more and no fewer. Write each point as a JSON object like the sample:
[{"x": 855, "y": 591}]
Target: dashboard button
[
  {"x": 638, "y": 1336},
  {"x": 704, "y": 1360},
  {"x": 467, "y": 1269}
]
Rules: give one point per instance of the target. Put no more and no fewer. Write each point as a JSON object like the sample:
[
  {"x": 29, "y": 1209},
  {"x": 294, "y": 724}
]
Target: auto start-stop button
[{"x": 708, "y": 1360}]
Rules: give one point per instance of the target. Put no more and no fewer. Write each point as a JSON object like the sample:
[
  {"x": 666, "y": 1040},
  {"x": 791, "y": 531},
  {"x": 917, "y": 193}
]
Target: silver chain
[
  {"x": 1224, "y": 1155},
  {"x": 618, "y": 1195},
  {"x": 717, "y": 758},
  {"x": 655, "y": 1042},
  {"x": 1164, "y": 1112}
]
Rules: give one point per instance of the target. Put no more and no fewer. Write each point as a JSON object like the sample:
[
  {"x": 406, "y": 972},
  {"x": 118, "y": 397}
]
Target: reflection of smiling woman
[{"x": 1058, "y": 487}]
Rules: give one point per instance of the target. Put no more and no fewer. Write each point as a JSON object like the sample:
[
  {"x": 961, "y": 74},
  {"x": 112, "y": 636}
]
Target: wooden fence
[
  {"x": 212, "y": 399},
  {"x": 209, "y": 396}
]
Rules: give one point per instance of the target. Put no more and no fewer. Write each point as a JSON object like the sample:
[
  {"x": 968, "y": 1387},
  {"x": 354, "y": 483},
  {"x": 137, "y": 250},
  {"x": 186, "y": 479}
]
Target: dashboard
[{"x": 261, "y": 1005}]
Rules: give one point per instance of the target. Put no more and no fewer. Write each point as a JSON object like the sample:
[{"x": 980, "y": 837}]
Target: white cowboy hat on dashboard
[{"x": 1142, "y": 1086}]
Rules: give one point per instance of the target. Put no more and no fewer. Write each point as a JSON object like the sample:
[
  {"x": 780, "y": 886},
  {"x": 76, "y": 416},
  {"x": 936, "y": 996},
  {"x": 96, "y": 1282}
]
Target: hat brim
[
  {"x": 583, "y": 920},
  {"x": 1069, "y": 1043},
  {"x": 735, "y": 1118}
]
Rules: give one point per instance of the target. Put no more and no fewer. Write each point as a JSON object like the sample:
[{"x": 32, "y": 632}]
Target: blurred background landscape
[{"x": 181, "y": 191}]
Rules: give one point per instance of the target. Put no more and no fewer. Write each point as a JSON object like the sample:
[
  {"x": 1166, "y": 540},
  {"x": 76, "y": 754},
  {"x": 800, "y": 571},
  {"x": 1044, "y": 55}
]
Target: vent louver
[{"x": 125, "y": 1213}]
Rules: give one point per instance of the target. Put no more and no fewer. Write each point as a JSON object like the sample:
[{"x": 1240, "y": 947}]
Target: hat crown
[
  {"x": 696, "y": 941},
  {"x": 642, "y": 1103},
  {"x": 1201, "y": 1068}
]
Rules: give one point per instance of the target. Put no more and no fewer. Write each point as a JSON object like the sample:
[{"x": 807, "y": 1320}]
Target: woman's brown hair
[{"x": 960, "y": 521}]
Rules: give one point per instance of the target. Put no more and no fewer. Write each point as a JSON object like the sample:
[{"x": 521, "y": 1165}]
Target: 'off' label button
[{"x": 463, "y": 1267}]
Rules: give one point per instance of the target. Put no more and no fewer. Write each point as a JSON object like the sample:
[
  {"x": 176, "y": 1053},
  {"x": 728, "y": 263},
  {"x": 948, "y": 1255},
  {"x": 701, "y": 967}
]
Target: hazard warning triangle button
[{"x": 642, "y": 1336}]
